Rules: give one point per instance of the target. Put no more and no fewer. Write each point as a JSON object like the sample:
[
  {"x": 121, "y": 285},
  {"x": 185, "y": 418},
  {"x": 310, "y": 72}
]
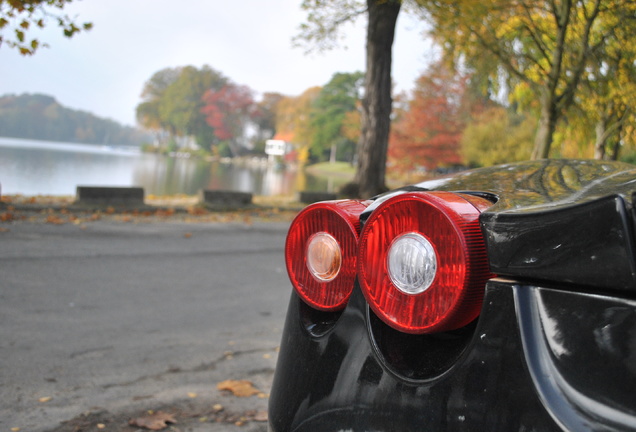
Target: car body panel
[{"x": 580, "y": 350}]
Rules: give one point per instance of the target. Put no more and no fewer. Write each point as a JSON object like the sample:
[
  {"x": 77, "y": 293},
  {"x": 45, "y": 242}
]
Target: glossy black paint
[
  {"x": 553, "y": 349},
  {"x": 581, "y": 353},
  {"x": 585, "y": 244}
]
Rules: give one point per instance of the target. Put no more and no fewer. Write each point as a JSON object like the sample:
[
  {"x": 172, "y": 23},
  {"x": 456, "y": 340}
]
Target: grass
[{"x": 337, "y": 169}]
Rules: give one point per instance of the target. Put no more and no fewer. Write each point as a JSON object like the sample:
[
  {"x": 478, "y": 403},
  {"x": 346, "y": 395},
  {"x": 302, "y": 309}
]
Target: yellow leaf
[{"x": 240, "y": 388}]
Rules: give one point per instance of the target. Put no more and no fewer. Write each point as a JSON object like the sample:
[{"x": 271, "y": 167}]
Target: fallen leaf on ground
[
  {"x": 260, "y": 416},
  {"x": 165, "y": 212},
  {"x": 154, "y": 421},
  {"x": 196, "y": 211},
  {"x": 55, "y": 220},
  {"x": 6, "y": 217},
  {"x": 240, "y": 388}
]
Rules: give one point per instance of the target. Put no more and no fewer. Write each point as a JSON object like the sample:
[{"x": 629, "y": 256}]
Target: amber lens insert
[{"x": 324, "y": 257}]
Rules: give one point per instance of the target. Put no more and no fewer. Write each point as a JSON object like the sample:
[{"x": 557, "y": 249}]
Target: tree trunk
[
  {"x": 545, "y": 130},
  {"x": 616, "y": 150},
  {"x": 601, "y": 140},
  {"x": 376, "y": 104}
]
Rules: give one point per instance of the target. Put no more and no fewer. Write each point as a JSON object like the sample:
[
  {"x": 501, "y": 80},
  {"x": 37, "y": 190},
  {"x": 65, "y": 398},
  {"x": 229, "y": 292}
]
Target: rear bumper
[{"x": 538, "y": 359}]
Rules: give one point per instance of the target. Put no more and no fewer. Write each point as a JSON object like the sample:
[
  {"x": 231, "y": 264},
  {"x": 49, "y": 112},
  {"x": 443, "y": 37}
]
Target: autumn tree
[
  {"x": 336, "y": 100},
  {"x": 428, "y": 133},
  {"x": 545, "y": 45},
  {"x": 293, "y": 120},
  {"x": 228, "y": 110},
  {"x": 352, "y": 124},
  {"x": 324, "y": 21},
  {"x": 172, "y": 101},
  {"x": 497, "y": 135},
  {"x": 609, "y": 93},
  {"x": 19, "y": 17},
  {"x": 152, "y": 95}
]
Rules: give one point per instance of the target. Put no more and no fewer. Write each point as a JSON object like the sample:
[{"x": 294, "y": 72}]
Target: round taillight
[
  {"x": 422, "y": 262},
  {"x": 321, "y": 252}
]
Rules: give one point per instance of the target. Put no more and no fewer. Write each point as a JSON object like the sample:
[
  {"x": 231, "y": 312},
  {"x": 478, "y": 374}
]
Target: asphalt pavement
[{"x": 108, "y": 321}]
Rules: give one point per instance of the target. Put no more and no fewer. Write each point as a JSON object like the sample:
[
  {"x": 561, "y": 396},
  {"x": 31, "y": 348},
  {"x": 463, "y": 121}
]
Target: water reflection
[{"x": 44, "y": 168}]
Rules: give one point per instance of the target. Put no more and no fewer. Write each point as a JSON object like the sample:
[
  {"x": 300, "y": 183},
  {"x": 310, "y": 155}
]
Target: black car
[{"x": 499, "y": 299}]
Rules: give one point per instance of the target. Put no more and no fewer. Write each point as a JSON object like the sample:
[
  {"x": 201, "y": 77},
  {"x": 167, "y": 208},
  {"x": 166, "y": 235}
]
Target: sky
[{"x": 103, "y": 71}]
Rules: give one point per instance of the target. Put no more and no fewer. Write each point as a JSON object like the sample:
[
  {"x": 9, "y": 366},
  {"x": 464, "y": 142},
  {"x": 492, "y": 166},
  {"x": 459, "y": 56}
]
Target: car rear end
[{"x": 501, "y": 299}]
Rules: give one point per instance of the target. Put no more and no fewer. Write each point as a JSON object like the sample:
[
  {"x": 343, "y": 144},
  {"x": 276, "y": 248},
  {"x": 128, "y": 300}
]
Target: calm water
[{"x": 46, "y": 168}]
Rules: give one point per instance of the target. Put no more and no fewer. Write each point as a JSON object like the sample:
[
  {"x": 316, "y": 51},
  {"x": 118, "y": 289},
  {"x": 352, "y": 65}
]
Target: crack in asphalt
[
  {"x": 201, "y": 368},
  {"x": 90, "y": 351}
]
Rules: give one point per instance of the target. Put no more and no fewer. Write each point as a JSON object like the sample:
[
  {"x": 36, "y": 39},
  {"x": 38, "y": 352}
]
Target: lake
[{"x": 31, "y": 168}]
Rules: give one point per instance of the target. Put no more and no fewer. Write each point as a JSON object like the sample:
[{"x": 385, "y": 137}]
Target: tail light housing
[
  {"x": 321, "y": 252},
  {"x": 422, "y": 262}
]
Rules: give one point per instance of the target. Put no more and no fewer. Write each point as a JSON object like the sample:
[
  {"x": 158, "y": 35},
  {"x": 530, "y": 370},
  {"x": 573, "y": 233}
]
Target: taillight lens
[
  {"x": 422, "y": 262},
  {"x": 321, "y": 252}
]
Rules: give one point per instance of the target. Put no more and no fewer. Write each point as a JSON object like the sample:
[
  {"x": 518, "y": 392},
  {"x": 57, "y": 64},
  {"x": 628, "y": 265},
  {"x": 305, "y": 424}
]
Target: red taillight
[
  {"x": 422, "y": 262},
  {"x": 321, "y": 252}
]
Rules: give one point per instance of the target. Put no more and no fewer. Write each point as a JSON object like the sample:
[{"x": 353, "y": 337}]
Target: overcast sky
[{"x": 249, "y": 41}]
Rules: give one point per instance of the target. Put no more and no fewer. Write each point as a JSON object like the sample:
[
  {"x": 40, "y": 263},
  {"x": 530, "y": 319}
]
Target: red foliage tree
[
  {"x": 428, "y": 133},
  {"x": 228, "y": 110}
]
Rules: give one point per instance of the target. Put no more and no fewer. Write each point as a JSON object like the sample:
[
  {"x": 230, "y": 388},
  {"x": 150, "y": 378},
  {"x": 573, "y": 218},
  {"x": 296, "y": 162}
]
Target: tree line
[
  {"x": 224, "y": 118},
  {"x": 41, "y": 117}
]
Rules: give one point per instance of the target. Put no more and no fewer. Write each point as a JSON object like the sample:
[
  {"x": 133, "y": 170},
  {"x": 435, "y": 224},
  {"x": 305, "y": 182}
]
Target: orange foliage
[{"x": 428, "y": 133}]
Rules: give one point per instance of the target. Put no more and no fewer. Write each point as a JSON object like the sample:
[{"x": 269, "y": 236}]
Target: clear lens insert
[
  {"x": 412, "y": 263},
  {"x": 324, "y": 256}
]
